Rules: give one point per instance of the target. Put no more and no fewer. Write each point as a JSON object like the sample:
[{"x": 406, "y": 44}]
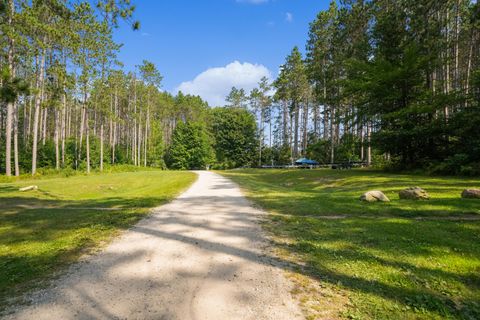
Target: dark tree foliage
[
  {"x": 191, "y": 147},
  {"x": 234, "y": 131},
  {"x": 408, "y": 72}
]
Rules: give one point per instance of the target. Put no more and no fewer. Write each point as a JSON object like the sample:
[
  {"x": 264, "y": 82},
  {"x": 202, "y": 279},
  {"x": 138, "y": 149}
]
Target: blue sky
[{"x": 206, "y": 46}]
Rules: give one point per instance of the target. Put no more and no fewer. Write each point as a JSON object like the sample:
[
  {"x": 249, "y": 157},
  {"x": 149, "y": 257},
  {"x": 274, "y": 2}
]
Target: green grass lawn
[
  {"x": 399, "y": 260},
  {"x": 42, "y": 231}
]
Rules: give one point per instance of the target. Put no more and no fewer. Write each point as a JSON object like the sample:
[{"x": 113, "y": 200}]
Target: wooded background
[{"x": 393, "y": 83}]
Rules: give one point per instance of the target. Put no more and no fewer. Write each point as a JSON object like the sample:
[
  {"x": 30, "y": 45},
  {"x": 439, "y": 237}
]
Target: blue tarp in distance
[{"x": 305, "y": 161}]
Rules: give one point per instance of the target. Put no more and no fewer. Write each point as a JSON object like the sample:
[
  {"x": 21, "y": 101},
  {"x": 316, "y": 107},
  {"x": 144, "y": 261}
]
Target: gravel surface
[{"x": 202, "y": 256}]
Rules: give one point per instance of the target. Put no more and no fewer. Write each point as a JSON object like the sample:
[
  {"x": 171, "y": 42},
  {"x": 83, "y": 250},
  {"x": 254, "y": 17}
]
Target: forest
[{"x": 395, "y": 84}]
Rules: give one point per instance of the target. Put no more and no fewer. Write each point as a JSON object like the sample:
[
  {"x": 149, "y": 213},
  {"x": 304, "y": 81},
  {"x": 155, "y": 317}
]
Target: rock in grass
[
  {"x": 29, "y": 188},
  {"x": 374, "y": 196},
  {"x": 471, "y": 194},
  {"x": 414, "y": 193}
]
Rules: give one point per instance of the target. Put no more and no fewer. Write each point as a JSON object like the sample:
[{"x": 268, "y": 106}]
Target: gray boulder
[
  {"x": 414, "y": 193},
  {"x": 471, "y": 194},
  {"x": 374, "y": 196}
]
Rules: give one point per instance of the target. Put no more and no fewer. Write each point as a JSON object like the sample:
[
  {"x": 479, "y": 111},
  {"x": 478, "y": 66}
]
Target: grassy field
[
  {"x": 42, "y": 231},
  {"x": 398, "y": 260}
]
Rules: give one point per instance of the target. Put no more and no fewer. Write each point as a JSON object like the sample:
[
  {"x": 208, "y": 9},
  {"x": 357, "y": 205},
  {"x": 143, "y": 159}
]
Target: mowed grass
[
  {"x": 42, "y": 231},
  {"x": 398, "y": 260}
]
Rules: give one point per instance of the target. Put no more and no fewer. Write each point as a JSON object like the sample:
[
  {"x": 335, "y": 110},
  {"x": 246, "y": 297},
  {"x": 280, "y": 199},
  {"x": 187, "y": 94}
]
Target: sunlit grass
[
  {"x": 42, "y": 231},
  {"x": 390, "y": 264}
]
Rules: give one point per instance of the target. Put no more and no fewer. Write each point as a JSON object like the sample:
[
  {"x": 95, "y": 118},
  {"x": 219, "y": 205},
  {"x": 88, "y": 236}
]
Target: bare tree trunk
[
  {"x": 37, "y": 113},
  {"x": 110, "y": 131},
  {"x": 101, "y": 147},
  {"x": 8, "y": 141},
  {"x": 15, "y": 140},
  {"x": 325, "y": 122},
  {"x": 469, "y": 68},
  {"x": 57, "y": 140},
  {"x": 63, "y": 127},
  {"x": 10, "y": 104},
  {"x": 139, "y": 144},
  {"x": 305, "y": 129},
  {"x": 285, "y": 123},
  {"x": 362, "y": 142},
  {"x": 82, "y": 128},
  {"x": 270, "y": 129},
  {"x": 260, "y": 142},
  {"x": 83, "y": 125},
  {"x": 290, "y": 136},
  {"x": 332, "y": 135},
  {"x": 115, "y": 111},
  {"x": 136, "y": 136},
  {"x": 369, "y": 143},
  {"x": 447, "y": 67},
  {"x": 70, "y": 113},
  {"x": 44, "y": 131},
  {"x": 87, "y": 137},
  {"x": 147, "y": 125},
  {"x": 296, "y": 128},
  {"x": 28, "y": 131},
  {"x": 457, "y": 47}
]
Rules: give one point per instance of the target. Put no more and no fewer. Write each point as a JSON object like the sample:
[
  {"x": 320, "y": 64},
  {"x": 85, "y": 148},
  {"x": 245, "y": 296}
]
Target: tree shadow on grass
[
  {"x": 38, "y": 236},
  {"x": 336, "y": 202},
  {"x": 372, "y": 242},
  {"x": 401, "y": 261}
]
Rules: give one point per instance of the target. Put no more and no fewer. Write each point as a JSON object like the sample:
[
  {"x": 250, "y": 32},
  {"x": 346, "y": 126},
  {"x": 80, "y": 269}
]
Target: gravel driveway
[{"x": 202, "y": 256}]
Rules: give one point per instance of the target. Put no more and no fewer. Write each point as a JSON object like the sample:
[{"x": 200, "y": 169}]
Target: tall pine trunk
[
  {"x": 15, "y": 140},
  {"x": 305, "y": 129},
  {"x": 296, "y": 129},
  {"x": 147, "y": 128},
  {"x": 36, "y": 117},
  {"x": 63, "y": 127},
  {"x": 332, "y": 135},
  {"x": 260, "y": 142},
  {"x": 101, "y": 147},
  {"x": 87, "y": 140},
  {"x": 369, "y": 144},
  {"x": 57, "y": 140},
  {"x": 10, "y": 104}
]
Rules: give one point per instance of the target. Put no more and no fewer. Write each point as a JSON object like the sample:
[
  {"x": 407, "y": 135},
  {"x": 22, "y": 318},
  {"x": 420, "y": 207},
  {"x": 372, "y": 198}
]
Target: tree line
[
  {"x": 65, "y": 101},
  {"x": 394, "y": 82}
]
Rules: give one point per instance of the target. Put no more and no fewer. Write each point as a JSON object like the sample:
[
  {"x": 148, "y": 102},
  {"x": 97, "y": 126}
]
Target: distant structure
[{"x": 306, "y": 162}]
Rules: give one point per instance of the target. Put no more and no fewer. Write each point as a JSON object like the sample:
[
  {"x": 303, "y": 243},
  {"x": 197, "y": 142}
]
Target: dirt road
[{"x": 201, "y": 256}]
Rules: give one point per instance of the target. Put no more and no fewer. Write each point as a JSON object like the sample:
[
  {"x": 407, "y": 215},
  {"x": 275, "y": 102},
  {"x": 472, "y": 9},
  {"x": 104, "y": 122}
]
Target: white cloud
[
  {"x": 214, "y": 84},
  {"x": 289, "y": 17}
]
